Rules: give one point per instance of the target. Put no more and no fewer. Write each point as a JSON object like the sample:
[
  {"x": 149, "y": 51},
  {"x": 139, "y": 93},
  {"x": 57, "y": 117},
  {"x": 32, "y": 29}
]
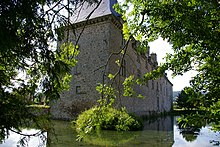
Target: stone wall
[
  {"x": 100, "y": 38},
  {"x": 93, "y": 46}
]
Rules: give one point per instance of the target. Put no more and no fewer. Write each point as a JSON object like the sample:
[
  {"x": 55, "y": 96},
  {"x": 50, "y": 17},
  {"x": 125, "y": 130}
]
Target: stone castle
[{"x": 100, "y": 36}]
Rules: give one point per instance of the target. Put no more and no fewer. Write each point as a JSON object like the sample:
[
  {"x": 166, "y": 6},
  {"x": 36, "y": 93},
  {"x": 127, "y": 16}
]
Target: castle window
[
  {"x": 152, "y": 68},
  {"x": 157, "y": 86},
  {"x": 166, "y": 92},
  {"x": 138, "y": 73},
  {"x": 76, "y": 68},
  {"x": 138, "y": 59},
  {"x": 123, "y": 68},
  {"x": 152, "y": 84},
  {"x": 78, "y": 89},
  {"x": 146, "y": 64},
  {"x": 123, "y": 42}
]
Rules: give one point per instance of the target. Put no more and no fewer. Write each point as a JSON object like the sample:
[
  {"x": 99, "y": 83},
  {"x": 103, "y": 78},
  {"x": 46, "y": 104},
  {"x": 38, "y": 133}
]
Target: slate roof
[{"x": 105, "y": 8}]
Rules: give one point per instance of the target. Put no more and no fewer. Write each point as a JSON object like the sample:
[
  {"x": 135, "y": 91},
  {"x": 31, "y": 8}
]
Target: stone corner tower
[{"x": 100, "y": 35}]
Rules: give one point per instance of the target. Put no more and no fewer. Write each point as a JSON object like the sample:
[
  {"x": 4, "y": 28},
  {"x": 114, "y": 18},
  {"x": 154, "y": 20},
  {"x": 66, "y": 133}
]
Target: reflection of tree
[
  {"x": 189, "y": 133},
  {"x": 189, "y": 128}
]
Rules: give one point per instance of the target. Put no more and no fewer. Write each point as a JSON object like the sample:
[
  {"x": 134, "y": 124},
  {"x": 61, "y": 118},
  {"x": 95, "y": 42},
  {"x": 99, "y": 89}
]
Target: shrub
[{"x": 105, "y": 118}]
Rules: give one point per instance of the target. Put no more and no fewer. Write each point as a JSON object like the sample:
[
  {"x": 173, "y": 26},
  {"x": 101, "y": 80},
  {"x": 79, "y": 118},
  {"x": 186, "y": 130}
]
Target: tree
[
  {"x": 192, "y": 28},
  {"x": 28, "y": 63},
  {"x": 188, "y": 99}
]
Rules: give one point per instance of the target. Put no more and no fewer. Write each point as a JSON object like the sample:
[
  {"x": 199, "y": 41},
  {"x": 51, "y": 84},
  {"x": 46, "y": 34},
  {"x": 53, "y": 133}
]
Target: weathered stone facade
[{"x": 101, "y": 36}]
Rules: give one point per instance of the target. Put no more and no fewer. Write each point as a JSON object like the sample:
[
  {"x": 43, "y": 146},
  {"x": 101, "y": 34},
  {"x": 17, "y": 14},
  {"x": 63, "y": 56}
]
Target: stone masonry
[{"x": 102, "y": 35}]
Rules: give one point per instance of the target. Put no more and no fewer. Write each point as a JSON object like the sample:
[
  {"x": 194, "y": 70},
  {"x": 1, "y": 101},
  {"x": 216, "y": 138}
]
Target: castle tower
[{"x": 100, "y": 36}]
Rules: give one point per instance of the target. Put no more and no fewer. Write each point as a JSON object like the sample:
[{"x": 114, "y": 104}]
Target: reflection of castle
[
  {"x": 102, "y": 35},
  {"x": 160, "y": 124},
  {"x": 152, "y": 136},
  {"x": 158, "y": 132}
]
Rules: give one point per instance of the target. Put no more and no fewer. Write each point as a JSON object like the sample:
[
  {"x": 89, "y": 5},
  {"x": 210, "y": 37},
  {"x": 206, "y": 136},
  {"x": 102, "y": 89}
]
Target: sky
[{"x": 161, "y": 47}]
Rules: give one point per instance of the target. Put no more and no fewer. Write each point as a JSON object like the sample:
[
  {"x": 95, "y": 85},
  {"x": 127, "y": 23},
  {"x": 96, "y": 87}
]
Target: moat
[{"x": 162, "y": 132}]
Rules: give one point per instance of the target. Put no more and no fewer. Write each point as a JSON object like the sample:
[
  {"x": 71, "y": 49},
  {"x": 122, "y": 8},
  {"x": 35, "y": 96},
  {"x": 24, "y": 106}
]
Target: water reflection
[
  {"x": 192, "y": 136},
  {"x": 16, "y": 140},
  {"x": 189, "y": 133},
  {"x": 158, "y": 133},
  {"x": 162, "y": 132},
  {"x": 160, "y": 124}
]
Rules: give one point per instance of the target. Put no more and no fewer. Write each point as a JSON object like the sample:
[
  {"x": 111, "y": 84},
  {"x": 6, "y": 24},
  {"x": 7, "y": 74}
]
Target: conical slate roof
[{"x": 105, "y": 8}]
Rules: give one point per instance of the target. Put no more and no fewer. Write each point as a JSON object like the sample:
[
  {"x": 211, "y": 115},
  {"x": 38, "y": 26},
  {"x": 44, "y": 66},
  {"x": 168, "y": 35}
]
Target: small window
[
  {"x": 123, "y": 42},
  {"x": 76, "y": 69},
  {"x": 166, "y": 92},
  {"x": 146, "y": 64},
  {"x": 78, "y": 89},
  {"x": 123, "y": 68},
  {"x": 138, "y": 58},
  {"x": 157, "y": 86},
  {"x": 152, "y": 84},
  {"x": 138, "y": 73}
]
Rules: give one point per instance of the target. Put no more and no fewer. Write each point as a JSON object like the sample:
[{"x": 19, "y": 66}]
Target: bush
[{"x": 105, "y": 118}]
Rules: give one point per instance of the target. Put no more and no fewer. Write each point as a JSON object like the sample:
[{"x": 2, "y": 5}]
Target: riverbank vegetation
[{"x": 105, "y": 116}]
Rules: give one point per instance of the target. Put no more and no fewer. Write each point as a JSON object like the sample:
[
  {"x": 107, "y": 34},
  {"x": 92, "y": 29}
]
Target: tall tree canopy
[
  {"x": 29, "y": 64},
  {"x": 192, "y": 27},
  {"x": 188, "y": 99}
]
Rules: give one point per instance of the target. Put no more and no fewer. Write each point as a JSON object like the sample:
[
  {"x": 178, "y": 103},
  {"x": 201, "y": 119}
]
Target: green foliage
[
  {"x": 65, "y": 60},
  {"x": 105, "y": 118},
  {"x": 107, "y": 95},
  {"x": 128, "y": 84},
  {"x": 192, "y": 120},
  {"x": 67, "y": 54},
  {"x": 158, "y": 72},
  {"x": 192, "y": 28},
  {"x": 111, "y": 76},
  {"x": 126, "y": 31},
  {"x": 188, "y": 99},
  {"x": 29, "y": 64},
  {"x": 128, "y": 87}
]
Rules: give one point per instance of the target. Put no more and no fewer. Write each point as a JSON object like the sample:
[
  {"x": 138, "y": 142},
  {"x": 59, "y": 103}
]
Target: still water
[{"x": 163, "y": 132}]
